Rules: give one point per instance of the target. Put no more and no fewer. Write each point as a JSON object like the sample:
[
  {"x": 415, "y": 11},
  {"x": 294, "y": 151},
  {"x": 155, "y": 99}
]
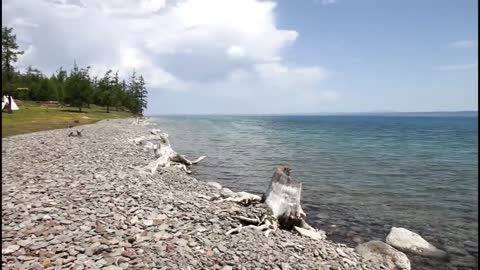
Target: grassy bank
[{"x": 33, "y": 117}]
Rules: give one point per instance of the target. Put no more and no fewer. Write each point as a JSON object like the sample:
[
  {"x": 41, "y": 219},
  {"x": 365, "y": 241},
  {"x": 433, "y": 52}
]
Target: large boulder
[
  {"x": 381, "y": 254},
  {"x": 411, "y": 242}
]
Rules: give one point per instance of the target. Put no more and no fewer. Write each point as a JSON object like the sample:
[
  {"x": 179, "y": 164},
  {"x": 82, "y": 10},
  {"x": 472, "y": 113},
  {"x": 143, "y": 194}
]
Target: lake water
[{"x": 361, "y": 174}]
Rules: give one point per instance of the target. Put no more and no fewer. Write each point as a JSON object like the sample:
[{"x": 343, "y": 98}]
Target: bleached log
[
  {"x": 183, "y": 159},
  {"x": 164, "y": 154},
  {"x": 242, "y": 197},
  {"x": 137, "y": 121},
  {"x": 155, "y": 131},
  {"x": 266, "y": 224},
  {"x": 283, "y": 198}
]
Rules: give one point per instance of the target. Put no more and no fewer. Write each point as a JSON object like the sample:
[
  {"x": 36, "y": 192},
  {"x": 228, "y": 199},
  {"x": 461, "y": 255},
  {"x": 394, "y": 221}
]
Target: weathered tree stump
[
  {"x": 283, "y": 198},
  {"x": 283, "y": 201}
]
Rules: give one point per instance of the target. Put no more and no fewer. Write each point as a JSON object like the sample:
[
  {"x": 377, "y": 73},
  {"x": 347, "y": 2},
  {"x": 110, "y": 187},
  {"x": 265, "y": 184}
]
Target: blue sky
[
  {"x": 255, "y": 57},
  {"x": 390, "y": 55}
]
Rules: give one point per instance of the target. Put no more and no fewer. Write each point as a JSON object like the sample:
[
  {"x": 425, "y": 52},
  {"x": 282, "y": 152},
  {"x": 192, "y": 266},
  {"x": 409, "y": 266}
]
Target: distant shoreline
[{"x": 384, "y": 114}]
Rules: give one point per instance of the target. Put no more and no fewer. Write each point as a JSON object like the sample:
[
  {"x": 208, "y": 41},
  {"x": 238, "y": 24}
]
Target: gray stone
[
  {"x": 25, "y": 243},
  {"x": 182, "y": 242},
  {"x": 113, "y": 267},
  {"x": 408, "y": 241},
  {"x": 10, "y": 249},
  {"x": 93, "y": 249},
  {"x": 380, "y": 253},
  {"x": 215, "y": 185},
  {"x": 222, "y": 248}
]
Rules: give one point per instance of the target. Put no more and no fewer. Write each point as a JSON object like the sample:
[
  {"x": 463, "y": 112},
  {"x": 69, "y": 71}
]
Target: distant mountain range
[{"x": 394, "y": 113}]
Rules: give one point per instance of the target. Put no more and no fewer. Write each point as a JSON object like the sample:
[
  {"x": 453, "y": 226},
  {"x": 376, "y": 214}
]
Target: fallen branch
[
  {"x": 266, "y": 224},
  {"x": 243, "y": 198}
]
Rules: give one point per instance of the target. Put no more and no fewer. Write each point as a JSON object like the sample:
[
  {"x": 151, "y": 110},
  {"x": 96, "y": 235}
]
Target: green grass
[{"x": 32, "y": 117}]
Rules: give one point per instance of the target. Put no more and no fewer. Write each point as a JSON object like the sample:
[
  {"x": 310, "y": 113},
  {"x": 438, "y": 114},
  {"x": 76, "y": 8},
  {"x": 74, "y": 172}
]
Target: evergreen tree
[
  {"x": 60, "y": 78},
  {"x": 142, "y": 95},
  {"x": 42, "y": 93},
  {"x": 133, "y": 93},
  {"x": 117, "y": 93},
  {"x": 31, "y": 80},
  {"x": 78, "y": 88},
  {"x": 138, "y": 94},
  {"x": 106, "y": 90},
  {"x": 10, "y": 53}
]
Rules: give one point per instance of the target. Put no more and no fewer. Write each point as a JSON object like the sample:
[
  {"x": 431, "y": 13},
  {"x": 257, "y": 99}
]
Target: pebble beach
[{"x": 80, "y": 203}]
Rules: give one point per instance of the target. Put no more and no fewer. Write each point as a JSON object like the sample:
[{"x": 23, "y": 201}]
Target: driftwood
[
  {"x": 138, "y": 121},
  {"x": 283, "y": 199},
  {"x": 78, "y": 133},
  {"x": 267, "y": 224},
  {"x": 243, "y": 198},
  {"x": 164, "y": 154}
]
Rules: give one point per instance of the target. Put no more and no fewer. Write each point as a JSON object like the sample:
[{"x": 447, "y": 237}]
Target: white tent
[{"x": 5, "y": 102}]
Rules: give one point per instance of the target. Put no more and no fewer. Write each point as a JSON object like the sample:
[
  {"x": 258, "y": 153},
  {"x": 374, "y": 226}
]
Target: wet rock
[
  {"x": 456, "y": 251},
  {"x": 408, "y": 241},
  {"x": 316, "y": 235}
]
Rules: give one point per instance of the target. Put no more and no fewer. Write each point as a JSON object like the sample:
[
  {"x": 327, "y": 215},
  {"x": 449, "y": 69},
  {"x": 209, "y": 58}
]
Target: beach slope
[{"x": 80, "y": 203}]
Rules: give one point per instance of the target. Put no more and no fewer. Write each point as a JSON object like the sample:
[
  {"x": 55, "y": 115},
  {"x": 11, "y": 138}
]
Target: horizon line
[{"x": 318, "y": 113}]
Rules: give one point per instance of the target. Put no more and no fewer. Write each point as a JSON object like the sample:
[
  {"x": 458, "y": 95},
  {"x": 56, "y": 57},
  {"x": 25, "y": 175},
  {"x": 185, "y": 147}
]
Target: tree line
[{"x": 76, "y": 88}]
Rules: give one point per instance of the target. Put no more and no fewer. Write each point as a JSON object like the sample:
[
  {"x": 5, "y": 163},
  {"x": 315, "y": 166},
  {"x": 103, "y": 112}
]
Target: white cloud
[
  {"x": 210, "y": 47},
  {"x": 458, "y": 67},
  {"x": 463, "y": 44},
  {"x": 236, "y": 51},
  {"x": 325, "y": 2},
  {"x": 22, "y": 22}
]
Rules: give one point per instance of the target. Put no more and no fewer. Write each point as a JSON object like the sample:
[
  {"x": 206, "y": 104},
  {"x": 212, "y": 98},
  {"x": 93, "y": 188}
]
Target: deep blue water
[{"x": 361, "y": 174}]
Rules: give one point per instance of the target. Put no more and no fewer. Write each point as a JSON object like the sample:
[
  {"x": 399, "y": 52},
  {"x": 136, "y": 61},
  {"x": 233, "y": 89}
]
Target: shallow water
[{"x": 361, "y": 174}]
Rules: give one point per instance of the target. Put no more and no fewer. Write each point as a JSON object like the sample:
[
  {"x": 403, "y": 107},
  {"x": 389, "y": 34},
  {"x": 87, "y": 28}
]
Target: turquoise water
[{"x": 361, "y": 174}]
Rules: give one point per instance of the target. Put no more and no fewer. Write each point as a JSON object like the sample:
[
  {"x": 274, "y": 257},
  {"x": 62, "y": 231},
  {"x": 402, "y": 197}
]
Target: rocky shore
[{"x": 81, "y": 203}]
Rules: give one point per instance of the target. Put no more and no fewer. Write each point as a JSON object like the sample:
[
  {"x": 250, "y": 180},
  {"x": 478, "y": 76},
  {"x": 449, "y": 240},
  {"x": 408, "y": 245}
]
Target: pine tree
[
  {"x": 10, "y": 53},
  {"x": 138, "y": 94},
  {"x": 142, "y": 95},
  {"x": 78, "y": 87},
  {"x": 60, "y": 78},
  {"x": 105, "y": 90}
]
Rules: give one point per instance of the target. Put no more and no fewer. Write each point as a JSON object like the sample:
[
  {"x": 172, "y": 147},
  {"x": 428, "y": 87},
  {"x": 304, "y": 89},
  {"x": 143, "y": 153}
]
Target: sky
[{"x": 264, "y": 57}]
